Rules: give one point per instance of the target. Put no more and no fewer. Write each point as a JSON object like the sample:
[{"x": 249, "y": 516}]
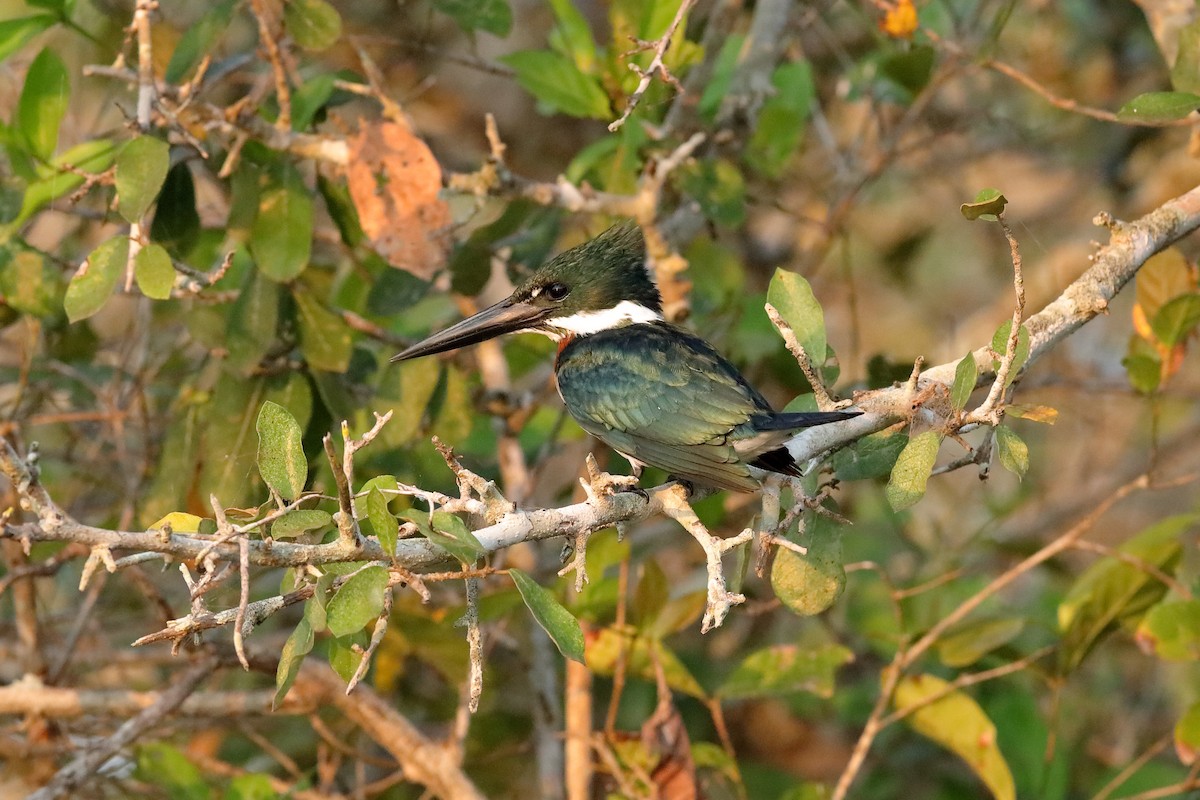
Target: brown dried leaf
[{"x": 394, "y": 182}]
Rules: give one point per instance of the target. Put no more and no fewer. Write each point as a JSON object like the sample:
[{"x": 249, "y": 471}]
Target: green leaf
[
  {"x": 386, "y": 485},
  {"x": 1177, "y": 319},
  {"x": 558, "y": 84},
  {"x": 1013, "y": 452},
  {"x": 295, "y": 523},
  {"x": 309, "y": 98},
  {"x": 94, "y": 282},
  {"x": 987, "y": 205},
  {"x": 651, "y": 594},
  {"x": 913, "y": 467},
  {"x": 784, "y": 669},
  {"x": 1144, "y": 371},
  {"x": 281, "y": 460},
  {"x": 252, "y": 322},
  {"x": 493, "y": 16},
  {"x": 14, "y": 33},
  {"x": 324, "y": 337},
  {"x": 809, "y": 584},
  {"x": 908, "y": 71},
  {"x": 55, "y": 181},
  {"x": 967, "y": 644},
  {"x": 573, "y": 36},
  {"x": 722, "y": 76},
  {"x": 1185, "y": 74},
  {"x": 342, "y": 654},
  {"x": 382, "y": 520},
  {"x": 870, "y": 457},
  {"x": 1112, "y": 592},
  {"x": 451, "y": 534},
  {"x": 176, "y": 223},
  {"x": 957, "y": 723},
  {"x": 793, "y": 298},
  {"x": 1172, "y": 631},
  {"x": 358, "y": 601},
  {"x": 293, "y": 392},
  {"x": 1187, "y": 735},
  {"x": 154, "y": 272},
  {"x": 1155, "y": 107},
  {"x": 42, "y": 103},
  {"x": 807, "y": 791},
  {"x": 718, "y": 186},
  {"x": 230, "y": 447},
  {"x": 29, "y": 283},
  {"x": 297, "y": 646},
  {"x": 558, "y": 623},
  {"x": 1000, "y": 346},
  {"x": 251, "y": 787},
  {"x": 198, "y": 40},
  {"x": 783, "y": 118},
  {"x": 142, "y": 169},
  {"x": 174, "y": 473},
  {"x": 281, "y": 237},
  {"x": 964, "y": 382},
  {"x": 165, "y": 767},
  {"x": 454, "y": 416},
  {"x": 314, "y": 24}
]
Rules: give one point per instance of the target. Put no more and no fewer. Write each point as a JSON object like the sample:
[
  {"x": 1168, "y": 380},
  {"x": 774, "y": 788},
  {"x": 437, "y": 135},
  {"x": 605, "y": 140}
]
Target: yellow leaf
[{"x": 957, "y": 723}]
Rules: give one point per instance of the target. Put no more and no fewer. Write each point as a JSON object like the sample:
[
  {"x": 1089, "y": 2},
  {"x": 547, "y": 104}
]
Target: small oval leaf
[
  {"x": 1159, "y": 107},
  {"x": 314, "y": 24},
  {"x": 1013, "y": 452},
  {"x": 154, "y": 272},
  {"x": 142, "y": 168},
  {"x": 95, "y": 280},
  {"x": 281, "y": 237},
  {"x": 558, "y": 623},
  {"x": 913, "y": 467},
  {"x": 357, "y": 602},
  {"x": 964, "y": 382},
  {"x": 810, "y": 583},
  {"x": 793, "y": 298},
  {"x": 281, "y": 460}
]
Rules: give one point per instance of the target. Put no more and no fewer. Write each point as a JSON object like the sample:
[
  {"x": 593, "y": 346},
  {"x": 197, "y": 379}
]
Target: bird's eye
[{"x": 557, "y": 291}]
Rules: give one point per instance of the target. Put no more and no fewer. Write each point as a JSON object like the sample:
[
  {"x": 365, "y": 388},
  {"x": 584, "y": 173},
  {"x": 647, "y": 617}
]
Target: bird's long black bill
[{"x": 504, "y": 317}]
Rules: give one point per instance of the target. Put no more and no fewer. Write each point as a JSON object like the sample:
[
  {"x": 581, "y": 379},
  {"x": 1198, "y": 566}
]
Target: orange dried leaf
[
  {"x": 394, "y": 182},
  {"x": 900, "y": 20},
  {"x": 1141, "y": 324}
]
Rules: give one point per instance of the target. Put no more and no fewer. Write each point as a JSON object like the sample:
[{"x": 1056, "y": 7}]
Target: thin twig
[{"x": 659, "y": 47}]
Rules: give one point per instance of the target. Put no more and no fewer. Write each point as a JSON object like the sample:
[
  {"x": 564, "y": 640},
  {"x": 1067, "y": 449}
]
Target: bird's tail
[{"x": 795, "y": 420}]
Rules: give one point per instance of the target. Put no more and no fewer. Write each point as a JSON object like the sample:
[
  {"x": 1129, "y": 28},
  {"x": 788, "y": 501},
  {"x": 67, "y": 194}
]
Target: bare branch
[{"x": 659, "y": 47}]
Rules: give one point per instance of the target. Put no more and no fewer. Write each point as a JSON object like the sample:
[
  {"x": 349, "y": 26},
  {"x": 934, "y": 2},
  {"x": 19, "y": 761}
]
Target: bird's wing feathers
[{"x": 664, "y": 397}]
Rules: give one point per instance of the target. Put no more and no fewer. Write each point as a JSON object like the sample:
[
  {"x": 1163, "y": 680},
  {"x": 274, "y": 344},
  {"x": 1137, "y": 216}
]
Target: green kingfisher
[{"x": 654, "y": 392}]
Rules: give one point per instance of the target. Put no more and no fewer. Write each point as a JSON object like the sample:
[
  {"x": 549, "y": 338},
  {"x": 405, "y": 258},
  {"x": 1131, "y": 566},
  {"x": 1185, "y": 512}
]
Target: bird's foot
[
  {"x": 719, "y": 598},
  {"x": 574, "y": 559},
  {"x": 599, "y": 483}
]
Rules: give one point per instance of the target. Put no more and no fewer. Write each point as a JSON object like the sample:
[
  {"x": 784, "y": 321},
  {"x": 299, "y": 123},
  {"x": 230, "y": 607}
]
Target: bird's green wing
[{"x": 663, "y": 397}]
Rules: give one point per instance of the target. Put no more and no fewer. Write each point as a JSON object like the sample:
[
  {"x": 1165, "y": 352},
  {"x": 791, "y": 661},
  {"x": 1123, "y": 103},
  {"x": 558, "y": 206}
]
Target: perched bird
[{"x": 652, "y": 391}]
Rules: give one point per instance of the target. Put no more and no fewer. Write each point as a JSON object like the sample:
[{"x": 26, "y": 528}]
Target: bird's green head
[{"x": 601, "y": 284}]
